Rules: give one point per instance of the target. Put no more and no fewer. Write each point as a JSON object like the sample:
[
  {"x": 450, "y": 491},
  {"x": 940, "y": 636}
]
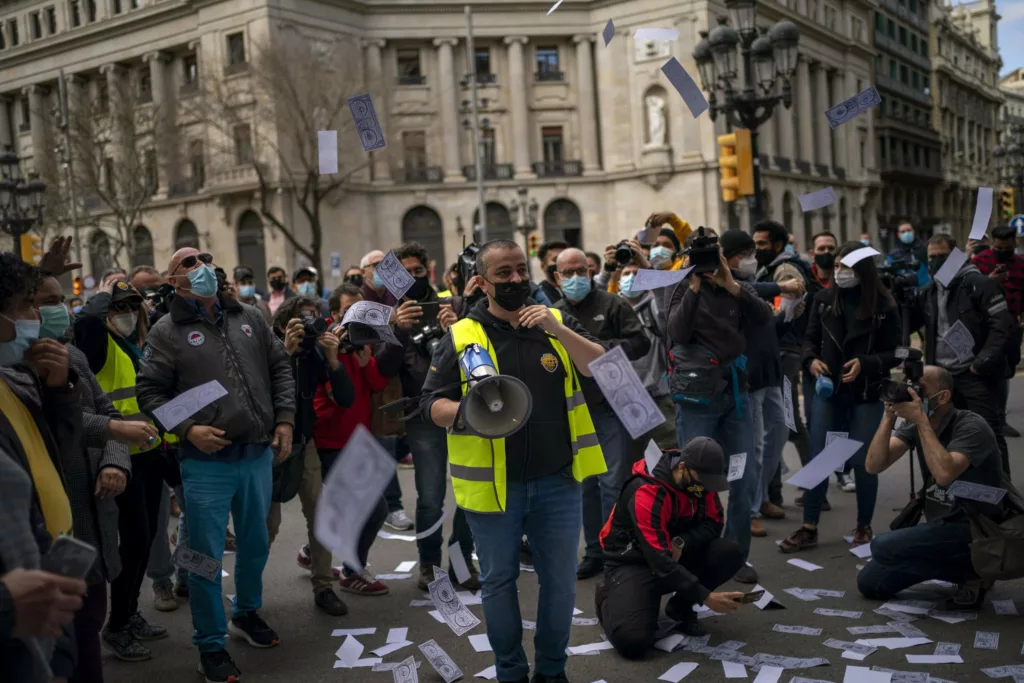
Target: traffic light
[
  {"x": 1008, "y": 203},
  {"x": 736, "y": 163},
  {"x": 31, "y": 248},
  {"x": 76, "y": 286},
  {"x": 533, "y": 243}
]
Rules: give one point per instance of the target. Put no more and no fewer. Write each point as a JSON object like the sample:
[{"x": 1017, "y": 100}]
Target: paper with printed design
[
  {"x": 396, "y": 278},
  {"x": 978, "y": 492},
  {"x": 737, "y": 466},
  {"x": 188, "y": 403},
  {"x": 625, "y": 392},
  {"x": 853, "y": 107},
  {"x": 364, "y": 116},
  {"x": 787, "y": 401},
  {"x": 441, "y": 662},
  {"x": 986, "y": 640}
]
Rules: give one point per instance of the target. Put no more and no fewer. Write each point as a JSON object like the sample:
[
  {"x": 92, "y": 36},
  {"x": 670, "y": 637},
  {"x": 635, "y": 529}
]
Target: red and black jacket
[{"x": 651, "y": 511}]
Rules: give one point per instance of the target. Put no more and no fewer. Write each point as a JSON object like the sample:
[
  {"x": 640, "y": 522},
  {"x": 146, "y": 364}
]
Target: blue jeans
[
  {"x": 214, "y": 490},
  {"x": 721, "y": 420},
  {"x": 903, "y": 558},
  {"x": 160, "y": 569},
  {"x": 861, "y": 420},
  {"x": 429, "y": 446},
  {"x": 601, "y": 493},
  {"x": 770, "y": 437},
  {"x": 548, "y": 510}
]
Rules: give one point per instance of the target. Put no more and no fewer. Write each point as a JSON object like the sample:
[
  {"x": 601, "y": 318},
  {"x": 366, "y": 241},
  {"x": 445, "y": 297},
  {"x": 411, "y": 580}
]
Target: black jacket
[
  {"x": 416, "y": 357},
  {"x": 786, "y": 265},
  {"x": 764, "y": 360},
  {"x": 650, "y": 512},
  {"x": 873, "y": 341},
  {"x": 715, "y": 319},
  {"x": 979, "y": 304},
  {"x": 553, "y": 293},
  {"x": 543, "y": 445}
]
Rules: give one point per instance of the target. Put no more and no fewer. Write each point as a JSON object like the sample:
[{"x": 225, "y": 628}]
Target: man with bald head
[
  {"x": 373, "y": 286},
  {"x": 953, "y": 446},
  {"x": 227, "y": 448},
  {"x": 611, "y": 320}
]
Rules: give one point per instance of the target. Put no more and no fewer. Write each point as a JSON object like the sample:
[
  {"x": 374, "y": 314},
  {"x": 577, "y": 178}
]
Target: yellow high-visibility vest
[
  {"x": 117, "y": 379},
  {"x": 478, "y": 465}
]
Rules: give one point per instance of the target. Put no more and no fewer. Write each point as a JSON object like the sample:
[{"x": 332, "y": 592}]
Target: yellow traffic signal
[
  {"x": 1008, "y": 203},
  {"x": 31, "y": 248},
  {"x": 533, "y": 243},
  {"x": 735, "y": 161},
  {"x": 76, "y": 286}
]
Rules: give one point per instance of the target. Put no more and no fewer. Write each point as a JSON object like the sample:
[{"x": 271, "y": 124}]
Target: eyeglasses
[
  {"x": 190, "y": 261},
  {"x": 579, "y": 271}
]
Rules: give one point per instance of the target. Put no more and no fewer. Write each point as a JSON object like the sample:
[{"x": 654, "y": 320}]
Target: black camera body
[
  {"x": 893, "y": 391},
  {"x": 902, "y": 286},
  {"x": 704, "y": 252},
  {"x": 312, "y": 327},
  {"x": 466, "y": 267},
  {"x": 428, "y": 338},
  {"x": 623, "y": 254}
]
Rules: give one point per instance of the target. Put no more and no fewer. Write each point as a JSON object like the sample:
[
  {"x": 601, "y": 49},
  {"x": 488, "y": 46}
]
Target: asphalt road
[{"x": 307, "y": 649}]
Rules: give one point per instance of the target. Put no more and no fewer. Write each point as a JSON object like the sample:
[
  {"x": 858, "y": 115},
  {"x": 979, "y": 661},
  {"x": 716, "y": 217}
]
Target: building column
[
  {"x": 448, "y": 92},
  {"x": 587, "y": 109},
  {"x": 378, "y": 89},
  {"x": 787, "y": 143},
  {"x": 841, "y": 134},
  {"x": 121, "y": 115},
  {"x": 167, "y": 141},
  {"x": 824, "y": 130},
  {"x": 38, "y": 112},
  {"x": 6, "y": 132},
  {"x": 804, "y": 110},
  {"x": 613, "y": 84},
  {"x": 518, "y": 83}
]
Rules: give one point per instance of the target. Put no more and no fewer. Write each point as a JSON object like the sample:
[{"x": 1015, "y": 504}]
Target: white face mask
[
  {"x": 748, "y": 266},
  {"x": 124, "y": 323},
  {"x": 846, "y": 279}
]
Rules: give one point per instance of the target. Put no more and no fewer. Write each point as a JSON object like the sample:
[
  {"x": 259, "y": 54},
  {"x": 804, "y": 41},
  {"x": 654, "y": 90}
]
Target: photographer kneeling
[{"x": 956, "y": 445}]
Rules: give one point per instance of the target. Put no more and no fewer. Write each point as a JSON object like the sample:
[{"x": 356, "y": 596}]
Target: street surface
[{"x": 307, "y": 650}]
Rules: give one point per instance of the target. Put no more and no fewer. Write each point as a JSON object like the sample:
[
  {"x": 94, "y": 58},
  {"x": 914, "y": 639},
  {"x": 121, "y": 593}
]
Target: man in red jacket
[{"x": 662, "y": 537}]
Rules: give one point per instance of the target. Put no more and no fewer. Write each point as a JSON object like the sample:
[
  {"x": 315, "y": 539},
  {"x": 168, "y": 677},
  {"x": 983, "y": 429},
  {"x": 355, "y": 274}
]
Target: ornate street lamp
[
  {"x": 21, "y": 199},
  {"x": 767, "y": 57}
]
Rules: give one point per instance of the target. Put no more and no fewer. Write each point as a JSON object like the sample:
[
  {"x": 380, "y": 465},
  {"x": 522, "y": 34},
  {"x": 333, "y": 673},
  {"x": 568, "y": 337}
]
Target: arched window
[
  {"x": 422, "y": 224},
  {"x": 186, "y": 235},
  {"x": 100, "y": 257},
  {"x": 142, "y": 247},
  {"x": 251, "y": 251},
  {"x": 562, "y": 221},
  {"x": 499, "y": 225}
]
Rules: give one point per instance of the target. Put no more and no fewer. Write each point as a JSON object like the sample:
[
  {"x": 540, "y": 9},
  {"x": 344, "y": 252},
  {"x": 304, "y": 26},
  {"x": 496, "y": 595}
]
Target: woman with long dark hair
[{"x": 851, "y": 341}]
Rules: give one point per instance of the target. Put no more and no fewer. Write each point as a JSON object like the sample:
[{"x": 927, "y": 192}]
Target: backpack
[{"x": 997, "y": 548}]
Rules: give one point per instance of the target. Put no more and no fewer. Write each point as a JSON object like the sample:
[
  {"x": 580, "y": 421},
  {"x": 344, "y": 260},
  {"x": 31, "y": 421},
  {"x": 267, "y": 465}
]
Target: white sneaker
[
  {"x": 399, "y": 521},
  {"x": 847, "y": 483}
]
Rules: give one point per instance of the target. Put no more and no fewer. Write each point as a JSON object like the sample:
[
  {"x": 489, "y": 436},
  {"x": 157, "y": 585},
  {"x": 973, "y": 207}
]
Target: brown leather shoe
[
  {"x": 757, "y": 529},
  {"x": 801, "y": 539},
  {"x": 862, "y": 535},
  {"x": 772, "y": 511}
]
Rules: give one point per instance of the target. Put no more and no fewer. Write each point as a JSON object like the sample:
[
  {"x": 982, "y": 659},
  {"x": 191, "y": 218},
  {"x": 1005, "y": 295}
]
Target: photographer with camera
[
  {"x": 850, "y": 346},
  {"x": 245, "y": 289},
  {"x": 611, "y": 321},
  {"x": 909, "y": 257},
  {"x": 974, "y": 313},
  {"x": 953, "y": 445},
  {"x": 313, "y": 352},
  {"x": 707, "y": 323}
]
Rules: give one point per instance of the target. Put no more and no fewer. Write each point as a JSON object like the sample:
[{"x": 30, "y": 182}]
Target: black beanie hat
[{"x": 735, "y": 242}]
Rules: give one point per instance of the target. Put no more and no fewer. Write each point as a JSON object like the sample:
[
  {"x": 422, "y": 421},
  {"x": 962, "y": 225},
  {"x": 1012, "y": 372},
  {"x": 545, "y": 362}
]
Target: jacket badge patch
[
  {"x": 147, "y": 352},
  {"x": 196, "y": 338},
  {"x": 247, "y": 329},
  {"x": 549, "y": 361}
]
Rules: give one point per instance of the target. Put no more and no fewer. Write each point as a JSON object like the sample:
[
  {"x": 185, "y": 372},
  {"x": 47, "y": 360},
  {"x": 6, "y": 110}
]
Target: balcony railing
[
  {"x": 491, "y": 172},
  {"x": 183, "y": 188},
  {"x": 905, "y": 14},
  {"x": 906, "y": 53},
  {"x": 423, "y": 175},
  {"x": 548, "y": 76},
  {"x": 238, "y": 68},
  {"x": 410, "y": 79},
  {"x": 485, "y": 79},
  {"x": 903, "y": 89},
  {"x": 561, "y": 167}
]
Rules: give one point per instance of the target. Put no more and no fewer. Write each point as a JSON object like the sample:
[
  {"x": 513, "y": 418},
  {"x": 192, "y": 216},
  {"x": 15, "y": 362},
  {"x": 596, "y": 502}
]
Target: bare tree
[{"x": 269, "y": 121}]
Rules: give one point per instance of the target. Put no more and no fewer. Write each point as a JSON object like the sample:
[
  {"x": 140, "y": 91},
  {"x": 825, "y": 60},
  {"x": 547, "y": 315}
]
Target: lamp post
[
  {"x": 21, "y": 199},
  {"x": 1010, "y": 162},
  {"x": 768, "y": 58},
  {"x": 526, "y": 210}
]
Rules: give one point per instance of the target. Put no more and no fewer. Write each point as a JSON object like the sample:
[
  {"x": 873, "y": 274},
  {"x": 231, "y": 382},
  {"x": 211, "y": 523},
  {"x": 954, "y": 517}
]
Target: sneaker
[
  {"x": 218, "y": 667},
  {"x": 426, "y": 577},
  {"x": 304, "y": 560},
  {"x": 229, "y": 542},
  {"x": 862, "y": 534},
  {"x": 163, "y": 597},
  {"x": 470, "y": 584},
  {"x": 1010, "y": 431},
  {"x": 746, "y": 575},
  {"x": 251, "y": 627},
  {"x": 757, "y": 529},
  {"x": 801, "y": 539},
  {"x": 542, "y": 678},
  {"x": 846, "y": 483},
  {"x": 181, "y": 589},
  {"x": 398, "y": 520},
  {"x": 126, "y": 646},
  {"x": 772, "y": 511},
  {"x": 363, "y": 583},
  {"x": 143, "y": 630},
  {"x": 405, "y": 463},
  {"x": 969, "y": 596},
  {"x": 525, "y": 553},
  {"x": 589, "y": 568},
  {"x": 330, "y": 603}
]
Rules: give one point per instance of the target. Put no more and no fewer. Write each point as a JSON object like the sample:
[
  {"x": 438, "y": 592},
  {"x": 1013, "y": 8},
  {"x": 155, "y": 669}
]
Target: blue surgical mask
[
  {"x": 907, "y": 237},
  {"x": 77, "y": 310},
  {"x": 790, "y": 249},
  {"x": 929, "y": 408},
  {"x": 866, "y": 243},
  {"x": 247, "y": 291},
  {"x": 661, "y": 257},
  {"x": 377, "y": 282},
  {"x": 307, "y": 289},
  {"x": 576, "y": 288},
  {"x": 626, "y": 284},
  {"x": 25, "y": 332},
  {"x": 204, "y": 281},
  {"x": 54, "y": 321}
]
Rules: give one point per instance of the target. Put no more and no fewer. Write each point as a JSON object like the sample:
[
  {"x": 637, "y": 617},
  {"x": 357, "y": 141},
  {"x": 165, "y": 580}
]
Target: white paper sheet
[
  {"x": 656, "y": 34},
  {"x": 906, "y": 608},
  {"x": 652, "y": 455},
  {"x": 342, "y": 632},
  {"x": 458, "y": 563},
  {"x": 861, "y": 551},
  {"x": 765, "y": 599},
  {"x": 488, "y": 674},
  {"x": 734, "y": 670},
  {"x": 327, "y": 143},
  {"x": 387, "y": 535},
  {"x": 894, "y": 643},
  {"x": 392, "y": 577},
  {"x": 686, "y": 87},
  {"x": 737, "y": 466},
  {"x": 670, "y": 642},
  {"x": 862, "y": 674},
  {"x": 825, "y": 463},
  {"x": 480, "y": 643},
  {"x": 554, "y": 7},
  {"x": 858, "y": 255},
  {"x": 397, "y": 635},
  {"x": 576, "y": 611},
  {"x": 934, "y": 659},
  {"x": 365, "y": 663},
  {"x": 391, "y": 647},
  {"x": 590, "y": 647},
  {"x": 982, "y": 213},
  {"x": 449, "y": 509},
  {"x": 1004, "y": 607},
  {"x": 437, "y": 616},
  {"x": 787, "y": 400},
  {"x": 804, "y": 564},
  {"x": 648, "y": 278},
  {"x": 769, "y": 674},
  {"x": 350, "y": 650},
  {"x": 678, "y": 672},
  {"x": 188, "y": 403},
  {"x": 817, "y": 200},
  {"x": 951, "y": 267},
  {"x": 405, "y": 566}
]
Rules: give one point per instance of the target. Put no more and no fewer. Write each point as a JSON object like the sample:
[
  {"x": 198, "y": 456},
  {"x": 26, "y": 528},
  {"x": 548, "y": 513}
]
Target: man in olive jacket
[{"x": 227, "y": 447}]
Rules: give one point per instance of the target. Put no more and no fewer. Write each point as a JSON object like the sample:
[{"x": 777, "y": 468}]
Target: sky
[{"x": 1011, "y": 30}]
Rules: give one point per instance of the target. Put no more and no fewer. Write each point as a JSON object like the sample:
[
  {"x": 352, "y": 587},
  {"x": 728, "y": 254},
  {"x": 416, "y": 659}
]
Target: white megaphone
[{"x": 495, "y": 406}]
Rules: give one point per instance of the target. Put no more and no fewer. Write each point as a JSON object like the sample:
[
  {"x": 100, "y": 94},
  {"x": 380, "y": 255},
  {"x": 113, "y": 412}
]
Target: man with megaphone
[{"x": 519, "y": 445}]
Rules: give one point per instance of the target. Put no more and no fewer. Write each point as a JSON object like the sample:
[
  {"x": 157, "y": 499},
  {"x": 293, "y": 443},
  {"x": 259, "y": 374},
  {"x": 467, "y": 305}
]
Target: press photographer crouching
[
  {"x": 678, "y": 500},
  {"x": 955, "y": 445}
]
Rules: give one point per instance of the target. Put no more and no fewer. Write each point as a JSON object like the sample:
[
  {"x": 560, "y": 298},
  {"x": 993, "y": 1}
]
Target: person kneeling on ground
[
  {"x": 957, "y": 445},
  {"x": 664, "y": 537}
]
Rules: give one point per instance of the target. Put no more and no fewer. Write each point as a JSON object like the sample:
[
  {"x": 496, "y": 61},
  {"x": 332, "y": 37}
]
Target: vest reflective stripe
[
  {"x": 117, "y": 379},
  {"x": 478, "y": 466}
]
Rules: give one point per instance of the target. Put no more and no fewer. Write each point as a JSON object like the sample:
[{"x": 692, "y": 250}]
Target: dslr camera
[
  {"x": 704, "y": 252},
  {"x": 893, "y": 391},
  {"x": 428, "y": 338},
  {"x": 896, "y": 281},
  {"x": 312, "y": 327},
  {"x": 466, "y": 267},
  {"x": 623, "y": 254}
]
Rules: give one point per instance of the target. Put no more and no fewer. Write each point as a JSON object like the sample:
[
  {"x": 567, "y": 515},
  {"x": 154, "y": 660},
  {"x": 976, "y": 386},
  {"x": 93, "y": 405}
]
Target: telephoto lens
[{"x": 623, "y": 254}]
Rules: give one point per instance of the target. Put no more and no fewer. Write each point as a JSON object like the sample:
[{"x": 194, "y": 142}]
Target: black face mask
[
  {"x": 825, "y": 261},
  {"x": 935, "y": 263},
  {"x": 511, "y": 295},
  {"x": 551, "y": 270},
  {"x": 355, "y": 279},
  {"x": 420, "y": 288},
  {"x": 764, "y": 257},
  {"x": 1003, "y": 255},
  {"x": 278, "y": 285}
]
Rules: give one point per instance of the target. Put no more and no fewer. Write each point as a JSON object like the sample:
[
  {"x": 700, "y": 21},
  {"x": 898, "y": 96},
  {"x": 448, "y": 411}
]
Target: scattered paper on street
[
  {"x": 934, "y": 659},
  {"x": 406, "y": 566},
  {"x": 1004, "y": 607},
  {"x": 678, "y": 672},
  {"x": 821, "y": 466},
  {"x": 986, "y": 640},
  {"x": 804, "y": 564},
  {"x": 848, "y": 614},
  {"x": 480, "y": 643},
  {"x": 797, "y": 630}
]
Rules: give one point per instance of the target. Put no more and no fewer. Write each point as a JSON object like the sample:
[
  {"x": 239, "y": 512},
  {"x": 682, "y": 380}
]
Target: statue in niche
[{"x": 655, "y": 121}]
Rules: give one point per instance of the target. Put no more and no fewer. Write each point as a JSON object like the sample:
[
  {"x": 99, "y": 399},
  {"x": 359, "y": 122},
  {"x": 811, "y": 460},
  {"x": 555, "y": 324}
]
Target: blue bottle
[{"x": 824, "y": 387}]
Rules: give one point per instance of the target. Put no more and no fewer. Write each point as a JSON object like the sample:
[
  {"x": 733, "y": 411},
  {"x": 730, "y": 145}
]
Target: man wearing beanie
[{"x": 664, "y": 537}]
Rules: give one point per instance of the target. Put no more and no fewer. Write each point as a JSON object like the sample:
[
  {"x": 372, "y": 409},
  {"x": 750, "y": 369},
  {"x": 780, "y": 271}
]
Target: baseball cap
[
  {"x": 705, "y": 457},
  {"x": 124, "y": 292},
  {"x": 242, "y": 272},
  {"x": 304, "y": 270}
]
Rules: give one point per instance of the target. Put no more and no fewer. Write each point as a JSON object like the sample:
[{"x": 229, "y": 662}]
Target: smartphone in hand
[
  {"x": 750, "y": 597},
  {"x": 69, "y": 557}
]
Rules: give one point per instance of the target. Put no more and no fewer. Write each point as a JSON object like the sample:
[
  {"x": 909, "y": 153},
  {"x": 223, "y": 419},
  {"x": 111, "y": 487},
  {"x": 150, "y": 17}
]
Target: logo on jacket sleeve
[
  {"x": 147, "y": 352},
  {"x": 549, "y": 361},
  {"x": 196, "y": 338},
  {"x": 247, "y": 329}
]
